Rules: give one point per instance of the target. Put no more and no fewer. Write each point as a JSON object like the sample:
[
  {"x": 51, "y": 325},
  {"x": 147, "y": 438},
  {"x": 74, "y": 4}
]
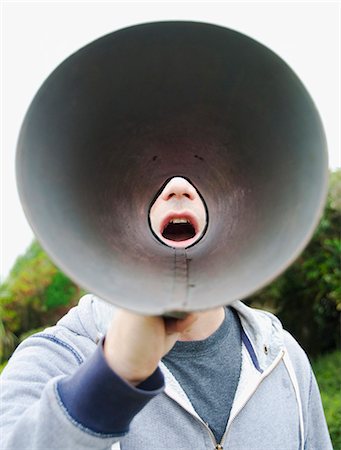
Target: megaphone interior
[{"x": 133, "y": 109}]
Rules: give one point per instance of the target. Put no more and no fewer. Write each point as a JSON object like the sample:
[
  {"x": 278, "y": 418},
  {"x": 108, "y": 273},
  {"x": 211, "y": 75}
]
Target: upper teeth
[{"x": 179, "y": 220}]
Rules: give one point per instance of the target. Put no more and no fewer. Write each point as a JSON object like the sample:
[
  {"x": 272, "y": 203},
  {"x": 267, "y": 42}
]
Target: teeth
[{"x": 179, "y": 220}]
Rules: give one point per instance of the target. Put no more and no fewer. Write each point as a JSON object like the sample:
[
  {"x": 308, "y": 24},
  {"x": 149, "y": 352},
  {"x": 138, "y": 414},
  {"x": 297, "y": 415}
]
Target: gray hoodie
[{"x": 56, "y": 384}]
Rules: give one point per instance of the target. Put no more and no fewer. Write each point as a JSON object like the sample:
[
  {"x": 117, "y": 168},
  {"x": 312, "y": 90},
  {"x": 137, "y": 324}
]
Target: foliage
[
  {"x": 8, "y": 342},
  {"x": 60, "y": 291},
  {"x": 35, "y": 294},
  {"x": 327, "y": 369},
  {"x": 3, "y": 365},
  {"x": 307, "y": 297}
]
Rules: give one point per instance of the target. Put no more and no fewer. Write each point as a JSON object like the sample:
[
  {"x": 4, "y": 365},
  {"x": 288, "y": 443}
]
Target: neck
[{"x": 205, "y": 324}]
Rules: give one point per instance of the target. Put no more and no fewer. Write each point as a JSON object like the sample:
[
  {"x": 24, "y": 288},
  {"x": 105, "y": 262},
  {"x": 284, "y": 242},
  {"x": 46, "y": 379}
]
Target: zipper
[
  {"x": 264, "y": 375},
  {"x": 197, "y": 418},
  {"x": 210, "y": 432},
  {"x": 219, "y": 446}
]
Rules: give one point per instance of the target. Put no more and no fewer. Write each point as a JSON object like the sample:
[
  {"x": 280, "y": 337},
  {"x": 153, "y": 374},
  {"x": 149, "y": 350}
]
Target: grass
[{"x": 327, "y": 369}]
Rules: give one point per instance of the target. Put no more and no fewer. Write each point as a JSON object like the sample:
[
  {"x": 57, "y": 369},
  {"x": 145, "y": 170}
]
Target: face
[{"x": 178, "y": 216}]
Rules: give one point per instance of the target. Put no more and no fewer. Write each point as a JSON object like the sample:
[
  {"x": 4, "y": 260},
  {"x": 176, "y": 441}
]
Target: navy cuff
[{"x": 97, "y": 398}]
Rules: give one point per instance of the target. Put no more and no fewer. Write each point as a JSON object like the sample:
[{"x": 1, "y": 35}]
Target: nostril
[
  {"x": 179, "y": 195},
  {"x": 172, "y": 194}
]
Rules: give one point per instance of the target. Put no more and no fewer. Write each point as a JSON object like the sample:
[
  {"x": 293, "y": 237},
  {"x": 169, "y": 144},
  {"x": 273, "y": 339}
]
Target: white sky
[{"x": 37, "y": 36}]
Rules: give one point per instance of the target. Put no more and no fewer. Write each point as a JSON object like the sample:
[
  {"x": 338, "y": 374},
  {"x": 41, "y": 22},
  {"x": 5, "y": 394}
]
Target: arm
[
  {"x": 316, "y": 431},
  {"x": 35, "y": 397},
  {"x": 317, "y": 436},
  {"x": 51, "y": 398}
]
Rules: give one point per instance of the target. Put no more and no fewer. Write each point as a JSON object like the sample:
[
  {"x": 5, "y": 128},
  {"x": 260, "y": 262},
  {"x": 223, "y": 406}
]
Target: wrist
[
  {"x": 122, "y": 368},
  {"x": 94, "y": 386}
]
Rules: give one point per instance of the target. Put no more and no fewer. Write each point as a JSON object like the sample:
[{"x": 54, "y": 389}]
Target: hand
[{"x": 135, "y": 344}]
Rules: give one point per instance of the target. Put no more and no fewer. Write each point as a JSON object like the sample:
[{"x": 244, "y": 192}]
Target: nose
[{"x": 179, "y": 188}]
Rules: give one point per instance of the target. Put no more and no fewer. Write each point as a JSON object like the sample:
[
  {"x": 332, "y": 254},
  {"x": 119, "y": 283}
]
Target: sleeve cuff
[{"x": 97, "y": 398}]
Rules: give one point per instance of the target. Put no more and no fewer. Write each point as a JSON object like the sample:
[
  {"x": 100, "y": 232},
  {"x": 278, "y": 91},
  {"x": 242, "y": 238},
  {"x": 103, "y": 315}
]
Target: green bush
[
  {"x": 3, "y": 365},
  {"x": 60, "y": 291},
  {"x": 35, "y": 295},
  {"x": 307, "y": 297},
  {"x": 327, "y": 369}
]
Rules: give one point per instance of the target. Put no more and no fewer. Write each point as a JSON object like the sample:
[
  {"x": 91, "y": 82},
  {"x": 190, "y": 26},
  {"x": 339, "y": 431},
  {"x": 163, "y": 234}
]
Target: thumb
[{"x": 179, "y": 325}]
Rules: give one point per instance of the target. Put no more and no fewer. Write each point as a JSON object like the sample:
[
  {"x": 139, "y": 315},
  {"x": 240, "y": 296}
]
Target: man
[{"x": 226, "y": 378}]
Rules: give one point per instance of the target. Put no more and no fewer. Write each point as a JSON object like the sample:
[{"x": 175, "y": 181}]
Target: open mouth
[{"x": 179, "y": 229}]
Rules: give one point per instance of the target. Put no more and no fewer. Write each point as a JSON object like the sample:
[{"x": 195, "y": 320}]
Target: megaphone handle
[{"x": 175, "y": 315}]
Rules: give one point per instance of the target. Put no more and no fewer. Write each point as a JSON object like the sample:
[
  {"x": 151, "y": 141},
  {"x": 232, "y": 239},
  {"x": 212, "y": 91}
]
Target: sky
[{"x": 38, "y": 36}]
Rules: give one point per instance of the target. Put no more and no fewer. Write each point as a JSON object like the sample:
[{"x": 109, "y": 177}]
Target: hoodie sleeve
[
  {"x": 51, "y": 398},
  {"x": 315, "y": 426}
]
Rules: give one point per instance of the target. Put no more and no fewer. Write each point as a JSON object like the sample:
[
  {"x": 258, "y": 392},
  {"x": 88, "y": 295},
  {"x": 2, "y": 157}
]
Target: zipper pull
[{"x": 219, "y": 447}]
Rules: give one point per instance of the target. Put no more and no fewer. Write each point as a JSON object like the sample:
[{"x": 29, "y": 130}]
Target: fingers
[{"x": 180, "y": 325}]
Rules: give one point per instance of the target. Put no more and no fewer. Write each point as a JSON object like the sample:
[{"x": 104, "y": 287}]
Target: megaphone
[{"x": 144, "y": 104}]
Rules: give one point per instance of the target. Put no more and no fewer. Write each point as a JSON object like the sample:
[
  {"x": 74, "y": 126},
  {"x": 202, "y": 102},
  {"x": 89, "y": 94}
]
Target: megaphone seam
[{"x": 180, "y": 278}]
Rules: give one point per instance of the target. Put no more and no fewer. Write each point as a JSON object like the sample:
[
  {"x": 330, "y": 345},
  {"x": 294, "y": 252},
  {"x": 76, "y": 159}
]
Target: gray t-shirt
[{"x": 209, "y": 370}]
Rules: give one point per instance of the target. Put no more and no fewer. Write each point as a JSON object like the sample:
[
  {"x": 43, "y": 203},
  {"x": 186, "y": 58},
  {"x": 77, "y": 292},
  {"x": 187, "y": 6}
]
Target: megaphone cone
[{"x": 144, "y": 104}]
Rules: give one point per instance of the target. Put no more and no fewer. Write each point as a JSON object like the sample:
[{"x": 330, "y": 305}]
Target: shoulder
[
  {"x": 302, "y": 368},
  {"x": 297, "y": 355},
  {"x": 75, "y": 330},
  {"x": 80, "y": 319},
  {"x": 68, "y": 343}
]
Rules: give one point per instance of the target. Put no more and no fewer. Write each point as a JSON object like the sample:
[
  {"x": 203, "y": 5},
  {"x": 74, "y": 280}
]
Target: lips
[{"x": 179, "y": 227}]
